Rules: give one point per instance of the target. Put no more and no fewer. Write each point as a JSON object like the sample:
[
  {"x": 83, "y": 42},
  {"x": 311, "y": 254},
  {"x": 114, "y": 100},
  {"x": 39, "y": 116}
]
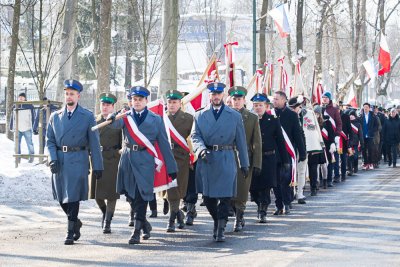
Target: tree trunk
[
  {"x": 11, "y": 66},
  {"x": 261, "y": 40},
  {"x": 299, "y": 26},
  {"x": 318, "y": 39},
  {"x": 103, "y": 64},
  {"x": 67, "y": 46},
  {"x": 170, "y": 22},
  {"x": 128, "y": 50}
]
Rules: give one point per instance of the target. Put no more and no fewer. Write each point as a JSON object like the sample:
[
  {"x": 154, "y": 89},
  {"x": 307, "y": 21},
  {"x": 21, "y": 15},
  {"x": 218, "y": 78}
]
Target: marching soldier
[
  {"x": 110, "y": 140},
  {"x": 181, "y": 125},
  {"x": 70, "y": 141},
  {"x": 253, "y": 139},
  {"x": 216, "y": 132},
  {"x": 142, "y": 129},
  {"x": 273, "y": 155}
]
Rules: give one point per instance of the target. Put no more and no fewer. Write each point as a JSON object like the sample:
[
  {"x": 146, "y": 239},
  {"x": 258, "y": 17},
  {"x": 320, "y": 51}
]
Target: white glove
[
  {"x": 337, "y": 138},
  {"x": 332, "y": 149}
]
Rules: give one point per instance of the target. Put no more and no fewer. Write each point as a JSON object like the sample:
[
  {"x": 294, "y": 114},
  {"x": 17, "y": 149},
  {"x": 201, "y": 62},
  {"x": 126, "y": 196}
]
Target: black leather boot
[
  {"x": 166, "y": 207},
  {"x": 220, "y": 230},
  {"x": 171, "y": 222},
  {"x": 77, "y": 230},
  {"x": 263, "y": 213},
  {"x": 135, "y": 237},
  {"x": 191, "y": 213},
  {"x": 146, "y": 229},
  {"x": 180, "y": 217},
  {"x": 132, "y": 218},
  {"x": 69, "y": 239},
  {"x": 107, "y": 226},
  {"x": 103, "y": 210},
  {"x": 239, "y": 221}
]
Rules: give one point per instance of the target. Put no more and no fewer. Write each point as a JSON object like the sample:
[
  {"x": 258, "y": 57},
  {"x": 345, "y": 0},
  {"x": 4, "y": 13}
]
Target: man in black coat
[
  {"x": 274, "y": 156},
  {"x": 290, "y": 124},
  {"x": 391, "y": 136},
  {"x": 370, "y": 128},
  {"x": 345, "y": 136}
]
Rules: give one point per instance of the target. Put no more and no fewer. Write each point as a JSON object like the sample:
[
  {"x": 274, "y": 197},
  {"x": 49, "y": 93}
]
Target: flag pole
[{"x": 211, "y": 61}]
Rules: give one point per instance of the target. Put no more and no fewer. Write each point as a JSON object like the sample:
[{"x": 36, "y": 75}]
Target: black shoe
[
  {"x": 220, "y": 231},
  {"x": 390, "y": 163},
  {"x": 146, "y": 230},
  {"x": 153, "y": 214},
  {"x": 278, "y": 212},
  {"x": 191, "y": 213},
  {"x": 290, "y": 206},
  {"x": 77, "y": 230},
  {"x": 263, "y": 213},
  {"x": 171, "y": 222},
  {"x": 107, "y": 226},
  {"x": 330, "y": 184},
  {"x": 324, "y": 183},
  {"x": 239, "y": 221},
  {"x": 166, "y": 207},
  {"x": 343, "y": 178},
  {"x": 301, "y": 201},
  {"x": 180, "y": 217},
  {"x": 287, "y": 209},
  {"x": 313, "y": 192},
  {"x": 135, "y": 237},
  {"x": 69, "y": 239}
]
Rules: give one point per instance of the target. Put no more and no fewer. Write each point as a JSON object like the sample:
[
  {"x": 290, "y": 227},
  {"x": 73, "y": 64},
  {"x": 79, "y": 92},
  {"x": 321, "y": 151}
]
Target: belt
[
  {"x": 109, "y": 148},
  {"x": 135, "y": 147},
  {"x": 66, "y": 149},
  {"x": 270, "y": 152},
  {"x": 221, "y": 147}
]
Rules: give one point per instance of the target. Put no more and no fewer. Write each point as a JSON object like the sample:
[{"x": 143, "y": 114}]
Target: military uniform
[
  {"x": 253, "y": 141},
  {"x": 182, "y": 122},
  {"x": 137, "y": 166},
  {"x": 273, "y": 154},
  {"x": 216, "y": 132},
  {"x": 105, "y": 189},
  {"x": 70, "y": 141}
]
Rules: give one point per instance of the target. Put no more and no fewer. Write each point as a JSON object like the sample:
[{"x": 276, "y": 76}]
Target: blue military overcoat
[
  {"x": 137, "y": 168},
  {"x": 70, "y": 184},
  {"x": 216, "y": 177}
]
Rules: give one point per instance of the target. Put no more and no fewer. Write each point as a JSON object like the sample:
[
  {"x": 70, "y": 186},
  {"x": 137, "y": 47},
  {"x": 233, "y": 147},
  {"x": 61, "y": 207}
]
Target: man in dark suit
[{"x": 370, "y": 128}]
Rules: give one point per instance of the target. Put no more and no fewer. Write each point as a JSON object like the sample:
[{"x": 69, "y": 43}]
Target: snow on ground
[{"x": 30, "y": 182}]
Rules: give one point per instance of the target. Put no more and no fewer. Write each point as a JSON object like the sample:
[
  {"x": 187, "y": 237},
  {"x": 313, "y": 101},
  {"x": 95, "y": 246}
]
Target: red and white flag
[
  {"x": 284, "y": 76},
  {"x": 230, "y": 65},
  {"x": 317, "y": 94},
  {"x": 384, "y": 56},
  {"x": 162, "y": 181},
  {"x": 370, "y": 68},
  {"x": 280, "y": 17},
  {"x": 351, "y": 98}
]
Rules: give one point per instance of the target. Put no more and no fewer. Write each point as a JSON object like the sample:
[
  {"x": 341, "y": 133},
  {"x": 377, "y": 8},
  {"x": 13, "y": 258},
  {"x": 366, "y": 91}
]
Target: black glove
[
  {"x": 302, "y": 158},
  {"x": 173, "y": 175},
  {"x": 111, "y": 117},
  {"x": 286, "y": 167},
  {"x": 54, "y": 166},
  {"x": 97, "y": 174},
  {"x": 35, "y": 132},
  {"x": 203, "y": 155},
  {"x": 256, "y": 171},
  {"x": 245, "y": 171}
]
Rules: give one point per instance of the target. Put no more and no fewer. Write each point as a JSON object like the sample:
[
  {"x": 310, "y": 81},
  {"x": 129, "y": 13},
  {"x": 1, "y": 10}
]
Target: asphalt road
[{"x": 355, "y": 224}]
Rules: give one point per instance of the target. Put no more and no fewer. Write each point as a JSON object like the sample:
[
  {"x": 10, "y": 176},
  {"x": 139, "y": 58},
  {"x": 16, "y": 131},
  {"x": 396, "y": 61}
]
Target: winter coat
[
  {"x": 272, "y": 140},
  {"x": 216, "y": 176},
  {"x": 391, "y": 131},
  {"x": 136, "y": 169},
  {"x": 371, "y": 128},
  {"x": 335, "y": 115},
  {"x": 111, "y": 143},
  {"x": 346, "y": 128},
  {"x": 253, "y": 140},
  {"x": 70, "y": 184},
  {"x": 183, "y": 123},
  {"x": 357, "y": 136}
]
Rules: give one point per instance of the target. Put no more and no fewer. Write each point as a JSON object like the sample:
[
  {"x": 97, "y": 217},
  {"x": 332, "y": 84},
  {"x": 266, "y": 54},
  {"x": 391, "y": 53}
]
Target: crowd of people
[{"x": 224, "y": 153}]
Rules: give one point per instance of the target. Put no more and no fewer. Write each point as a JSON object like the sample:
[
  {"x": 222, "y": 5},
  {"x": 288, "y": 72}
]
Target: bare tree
[
  {"x": 263, "y": 27},
  {"x": 169, "y": 68},
  {"x": 11, "y": 66}
]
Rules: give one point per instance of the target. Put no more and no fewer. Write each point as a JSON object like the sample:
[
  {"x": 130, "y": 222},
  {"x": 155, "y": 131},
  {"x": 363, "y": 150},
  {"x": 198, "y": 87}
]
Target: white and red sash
[
  {"x": 354, "y": 128},
  {"x": 290, "y": 150},
  {"x": 142, "y": 140},
  {"x": 331, "y": 120},
  {"x": 325, "y": 134}
]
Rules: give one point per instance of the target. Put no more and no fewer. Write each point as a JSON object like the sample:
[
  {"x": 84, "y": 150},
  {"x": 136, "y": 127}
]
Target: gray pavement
[{"x": 355, "y": 224}]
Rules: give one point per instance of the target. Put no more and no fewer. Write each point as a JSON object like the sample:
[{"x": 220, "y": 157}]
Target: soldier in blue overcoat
[
  {"x": 70, "y": 142},
  {"x": 217, "y": 135},
  {"x": 137, "y": 166}
]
